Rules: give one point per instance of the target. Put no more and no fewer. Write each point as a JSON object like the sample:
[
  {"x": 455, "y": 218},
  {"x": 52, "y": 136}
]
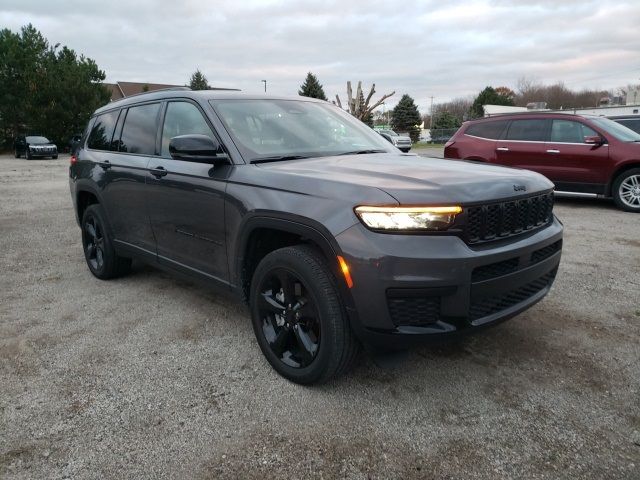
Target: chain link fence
[{"x": 442, "y": 135}]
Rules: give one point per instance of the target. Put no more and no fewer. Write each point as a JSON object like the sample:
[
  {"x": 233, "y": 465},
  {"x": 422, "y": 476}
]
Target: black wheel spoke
[
  {"x": 270, "y": 303},
  {"x": 287, "y": 285},
  {"x": 91, "y": 230},
  {"x": 307, "y": 346},
  {"x": 99, "y": 257},
  {"x": 91, "y": 251}
]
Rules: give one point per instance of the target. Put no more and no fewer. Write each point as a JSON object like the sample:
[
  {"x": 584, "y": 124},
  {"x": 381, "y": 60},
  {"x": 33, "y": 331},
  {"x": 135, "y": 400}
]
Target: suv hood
[{"x": 411, "y": 179}]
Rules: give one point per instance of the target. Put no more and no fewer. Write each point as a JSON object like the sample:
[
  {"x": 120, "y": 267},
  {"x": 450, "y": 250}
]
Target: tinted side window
[
  {"x": 491, "y": 130},
  {"x": 633, "y": 124},
  {"x": 102, "y": 131},
  {"x": 568, "y": 131},
  {"x": 527, "y": 130},
  {"x": 182, "y": 118},
  {"x": 140, "y": 129}
]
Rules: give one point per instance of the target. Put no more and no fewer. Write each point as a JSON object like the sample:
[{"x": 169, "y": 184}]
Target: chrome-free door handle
[{"x": 158, "y": 172}]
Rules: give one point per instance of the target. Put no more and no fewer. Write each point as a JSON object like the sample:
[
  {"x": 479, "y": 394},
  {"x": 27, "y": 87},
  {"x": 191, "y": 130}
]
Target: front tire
[
  {"x": 298, "y": 318},
  {"x": 54, "y": 157},
  {"x": 101, "y": 257},
  {"x": 626, "y": 190},
  {"x": 27, "y": 154}
]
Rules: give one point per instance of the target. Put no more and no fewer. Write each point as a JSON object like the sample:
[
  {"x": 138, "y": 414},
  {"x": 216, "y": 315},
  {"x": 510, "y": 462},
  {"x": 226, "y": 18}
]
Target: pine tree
[
  {"x": 405, "y": 117},
  {"x": 312, "y": 88},
  {"x": 489, "y": 96},
  {"x": 368, "y": 116},
  {"x": 198, "y": 81}
]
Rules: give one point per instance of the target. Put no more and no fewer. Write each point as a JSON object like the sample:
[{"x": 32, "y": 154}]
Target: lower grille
[
  {"x": 490, "y": 305},
  {"x": 546, "y": 252},
  {"x": 494, "y": 270},
  {"x": 414, "y": 311}
]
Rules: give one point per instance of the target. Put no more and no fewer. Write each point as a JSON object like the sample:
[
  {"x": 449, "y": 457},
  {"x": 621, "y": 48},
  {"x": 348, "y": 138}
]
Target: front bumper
[{"x": 411, "y": 288}]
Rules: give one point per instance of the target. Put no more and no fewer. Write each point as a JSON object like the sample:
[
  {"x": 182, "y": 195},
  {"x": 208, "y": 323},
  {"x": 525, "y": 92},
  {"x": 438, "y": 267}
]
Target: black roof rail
[{"x": 158, "y": 90}]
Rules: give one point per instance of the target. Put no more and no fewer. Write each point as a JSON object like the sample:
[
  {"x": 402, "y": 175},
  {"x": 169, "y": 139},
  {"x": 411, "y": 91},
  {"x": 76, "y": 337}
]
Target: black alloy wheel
[
  {"x": 101, "y": 257},
  {"x": 289, "y": 318},
  {"x": 94, "y": 243},
  {"x": 298, "y": 317}
]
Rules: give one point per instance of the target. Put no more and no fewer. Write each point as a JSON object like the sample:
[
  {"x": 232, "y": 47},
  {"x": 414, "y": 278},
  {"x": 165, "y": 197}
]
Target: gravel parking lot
[{"x": 152, "y": 377}]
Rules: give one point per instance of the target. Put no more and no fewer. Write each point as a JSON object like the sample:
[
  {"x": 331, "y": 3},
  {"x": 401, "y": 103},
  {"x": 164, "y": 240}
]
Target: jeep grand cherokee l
[
  {"x": 333, "y": 237},
  {"x": 33, "y": 146},
  {"x": 582, "y": 154}
]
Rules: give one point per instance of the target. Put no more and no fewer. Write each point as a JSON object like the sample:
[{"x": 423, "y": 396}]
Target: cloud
[{"x": 423, "y": 48}]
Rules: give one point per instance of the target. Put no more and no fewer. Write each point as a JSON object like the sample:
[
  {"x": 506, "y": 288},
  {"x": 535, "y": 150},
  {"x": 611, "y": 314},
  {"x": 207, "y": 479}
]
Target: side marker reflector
[{"x": 345, "y": 271}]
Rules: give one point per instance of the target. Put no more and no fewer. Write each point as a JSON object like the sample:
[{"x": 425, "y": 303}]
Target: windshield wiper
[
  {"x": 278, "y": 158},
  {"x": 362, "y": 152}
]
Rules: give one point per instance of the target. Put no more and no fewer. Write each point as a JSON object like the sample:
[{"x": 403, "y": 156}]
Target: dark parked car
[
  {"x": 579, "y": 153},
  {"x": 332, "y": 237},
  {"x": 402, "y": 142},
  {"x": 630, "y": 121},
  {"x": 34, "y": 146}
]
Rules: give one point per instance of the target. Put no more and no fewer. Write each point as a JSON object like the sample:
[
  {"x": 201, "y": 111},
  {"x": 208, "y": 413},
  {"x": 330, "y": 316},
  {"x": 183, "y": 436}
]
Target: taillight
[{"x": 73, "y": 160}]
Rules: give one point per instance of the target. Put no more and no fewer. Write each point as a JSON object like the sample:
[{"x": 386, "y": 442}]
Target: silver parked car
[{"x": 402, "y": 142}]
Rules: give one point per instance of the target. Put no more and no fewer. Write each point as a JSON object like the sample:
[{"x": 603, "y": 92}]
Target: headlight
[{"x": 408, "y": 218}]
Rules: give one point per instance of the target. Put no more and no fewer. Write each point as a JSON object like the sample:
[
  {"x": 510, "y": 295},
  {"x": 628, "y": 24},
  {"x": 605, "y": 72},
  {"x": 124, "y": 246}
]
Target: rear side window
[
  {"x": 527, "y": 130},
  {"x": 102, "y": 131},
  {"x": 491, "y": 130},
  {"x": 632, "y": 123},
  {"x": 568, "y": 131},
  {"x": 140, "y": 130}
]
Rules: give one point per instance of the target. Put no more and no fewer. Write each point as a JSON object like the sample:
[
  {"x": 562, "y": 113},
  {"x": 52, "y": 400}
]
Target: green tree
[
  {"x": 489, "y": 96},
  {"x": 444, "y": 119},
  {"x": 405, "y": 117},
  {"x": 198, "y": 81},
  {"x": 45, "y": 90},
  {"x": 312, "y": 88}
]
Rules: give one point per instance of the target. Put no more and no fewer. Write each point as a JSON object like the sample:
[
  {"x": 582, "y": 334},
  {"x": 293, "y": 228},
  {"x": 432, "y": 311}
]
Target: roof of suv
[
  {"x": 509, "y": 116},
  {"x": 196, "y": 94}
]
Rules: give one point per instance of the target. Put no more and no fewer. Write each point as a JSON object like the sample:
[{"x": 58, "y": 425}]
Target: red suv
[{"x": 579, "y": 153}]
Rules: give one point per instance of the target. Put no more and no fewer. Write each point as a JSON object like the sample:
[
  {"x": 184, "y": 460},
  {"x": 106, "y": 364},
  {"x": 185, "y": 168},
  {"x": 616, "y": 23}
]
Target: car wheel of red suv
[{"x": 626, "y": 190}]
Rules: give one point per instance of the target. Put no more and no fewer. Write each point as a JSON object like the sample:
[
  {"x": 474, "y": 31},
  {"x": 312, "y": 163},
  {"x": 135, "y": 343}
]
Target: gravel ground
[{"x": 152, "y": 377}]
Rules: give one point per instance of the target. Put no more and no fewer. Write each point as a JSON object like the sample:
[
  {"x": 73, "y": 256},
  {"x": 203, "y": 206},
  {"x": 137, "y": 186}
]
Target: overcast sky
[{"x": 443, "y": 49}]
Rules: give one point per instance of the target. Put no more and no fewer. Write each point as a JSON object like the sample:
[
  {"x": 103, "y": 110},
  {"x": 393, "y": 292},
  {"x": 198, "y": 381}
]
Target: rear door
[
  {"x": 122, "y": 158},
  {"x": 572, "y": 164},
  {"x": 186, "y": 199},
  {"x": 523, "y": 144}
]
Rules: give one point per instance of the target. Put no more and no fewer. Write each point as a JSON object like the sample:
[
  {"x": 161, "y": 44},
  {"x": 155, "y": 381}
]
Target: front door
[
  {"x": 572, "y": 164},
  {"x": 186, "y": 200}
]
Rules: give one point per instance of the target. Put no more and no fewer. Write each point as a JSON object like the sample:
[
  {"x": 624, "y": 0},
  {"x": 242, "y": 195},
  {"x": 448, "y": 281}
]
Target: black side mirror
[
  {"x": 594, "y": 140},
  {"x": 196, "y": 148}
]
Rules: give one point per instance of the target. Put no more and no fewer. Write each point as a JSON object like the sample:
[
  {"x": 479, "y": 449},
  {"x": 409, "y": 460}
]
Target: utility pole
[
  {"x": 265, "y": 85},
  {"x": 431, "y": 113}
]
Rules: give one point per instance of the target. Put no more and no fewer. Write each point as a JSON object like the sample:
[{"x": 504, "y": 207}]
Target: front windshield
[
  {"x": 37, "y": 139},
  {"x": 621, "y": 132},
  {"x": 269, "y": 129}
]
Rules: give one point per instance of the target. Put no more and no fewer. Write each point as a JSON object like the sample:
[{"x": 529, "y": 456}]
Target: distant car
[
  {"x": 74, "y": 143},
  {"x": 630, "y": 121},
  {"x": 32, "y": 146},
  {"x": 402, "y": 142},
  {"x": 583, "y": 154}
]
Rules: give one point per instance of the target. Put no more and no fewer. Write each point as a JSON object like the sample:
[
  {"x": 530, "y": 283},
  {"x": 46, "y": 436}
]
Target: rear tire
[
  {"x": 626, "y": 190},
  {"x": 101, "y": 257},
  {"x": 303, "y": 332}
]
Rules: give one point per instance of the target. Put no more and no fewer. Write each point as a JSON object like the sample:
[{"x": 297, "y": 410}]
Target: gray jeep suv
[{"x": 334, "y": 237}]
